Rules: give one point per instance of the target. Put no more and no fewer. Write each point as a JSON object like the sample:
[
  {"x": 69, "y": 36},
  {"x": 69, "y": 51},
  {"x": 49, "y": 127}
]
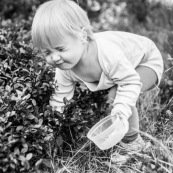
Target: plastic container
[{"x": 107, "y": 132}]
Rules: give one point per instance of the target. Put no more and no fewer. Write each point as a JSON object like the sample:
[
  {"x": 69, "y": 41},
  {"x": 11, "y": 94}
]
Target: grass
[{"x": 157, "y": 157}]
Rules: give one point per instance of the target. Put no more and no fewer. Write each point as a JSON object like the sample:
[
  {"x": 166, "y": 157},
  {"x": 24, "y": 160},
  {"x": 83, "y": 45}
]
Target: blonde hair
[{"x": 55, "y": 19}]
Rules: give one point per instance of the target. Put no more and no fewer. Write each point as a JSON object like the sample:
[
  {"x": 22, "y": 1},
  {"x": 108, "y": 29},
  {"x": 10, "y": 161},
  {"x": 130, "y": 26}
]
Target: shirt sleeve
[
  {"x": 64, "y": 88},
  {"x": 129, "y": 86}
]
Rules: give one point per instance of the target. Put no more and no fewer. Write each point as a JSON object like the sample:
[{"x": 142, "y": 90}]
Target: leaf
[
  {"x": 39, "y": 162},
  {"x": 2, "y": 37},
  {"x": 40, "y": 121},
  {"x": 34, "y": 102},
  {"x": 48, "y": 137},
  {"x": 5, "y": 65},
  {"x": 8, "y": 125},
  {"x": 170, "y": 82},
  {"x": 19, "y": 128},
  {"x": 29, "y": 84},
  {"x": 169, "y": 113},
  {"x": 19, "y": 94},
  {"x": 29, "y": 156},
  {"x": 59, "y": 140},
  {"x": 13, "y": 141},
  {"x": 25, "y": 148},
  {"x": 1, "y": 101},
  {"x": 22, "y": 158},
  {"x": 15, "y": 79},
  {"x": 66, "y": 102},
  {"x": 40, "y": 63},
  {"x": 1, "y": 129},
  {"x": 8, "y": 88},
  {"x": 12, "y": 113},
  {"x": 12, "y": 165},
  {"x": 33, "y": 130},
  {"x": 22, "y": 50},
  {"x": 29, "y": 106},
  {"x": 16, "y": 151},
  {"x": 37, "y": 126},
  {"x": 26, "y": 97},
  {"x": 79, "y": 127},
  {"x": 11, "y": 63},
  {"x": 31, "y": 116}
]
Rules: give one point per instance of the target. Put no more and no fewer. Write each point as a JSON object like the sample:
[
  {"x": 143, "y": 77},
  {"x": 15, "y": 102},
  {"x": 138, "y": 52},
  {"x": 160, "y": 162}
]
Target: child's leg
[
  {"x": 148, "y": 79},
  {"x": 132, "y": 133}
]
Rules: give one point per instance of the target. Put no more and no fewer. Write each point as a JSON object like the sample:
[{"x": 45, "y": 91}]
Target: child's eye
[
  {"x": 60, "y": 49},
  {"x": 46, "y": 53}
]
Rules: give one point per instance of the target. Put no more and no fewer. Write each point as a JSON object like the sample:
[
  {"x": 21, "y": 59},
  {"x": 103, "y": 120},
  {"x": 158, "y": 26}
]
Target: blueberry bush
[{"x": 30, "y": 131}]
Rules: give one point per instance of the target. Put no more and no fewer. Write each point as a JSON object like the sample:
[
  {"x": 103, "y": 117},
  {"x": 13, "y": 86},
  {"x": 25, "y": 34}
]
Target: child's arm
[
  {"x": 64, "y": 88},
  {"x": 119, "y": 69},
  {"x": 129, "y": 86}
]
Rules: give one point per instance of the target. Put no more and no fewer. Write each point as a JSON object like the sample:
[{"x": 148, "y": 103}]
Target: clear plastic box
[{"x": 107, "y": 132}]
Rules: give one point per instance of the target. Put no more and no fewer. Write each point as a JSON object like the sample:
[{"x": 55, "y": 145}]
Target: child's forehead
[
  {"x": 51, "y": 48},
  {"x": 59, "y": 40},
  {"x": 51, "y": 41}
]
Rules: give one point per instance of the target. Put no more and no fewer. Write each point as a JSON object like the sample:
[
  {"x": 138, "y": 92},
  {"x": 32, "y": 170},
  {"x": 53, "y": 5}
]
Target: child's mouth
[{"x": 59, "y": 62}]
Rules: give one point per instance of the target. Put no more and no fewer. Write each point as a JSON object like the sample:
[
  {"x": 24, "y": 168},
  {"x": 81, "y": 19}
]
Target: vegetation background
[{"x": 35, "y": 138}]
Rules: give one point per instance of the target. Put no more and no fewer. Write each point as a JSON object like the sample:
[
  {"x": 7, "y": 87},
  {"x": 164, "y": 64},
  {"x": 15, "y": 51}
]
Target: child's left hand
[{"x": 108, "y": 109}]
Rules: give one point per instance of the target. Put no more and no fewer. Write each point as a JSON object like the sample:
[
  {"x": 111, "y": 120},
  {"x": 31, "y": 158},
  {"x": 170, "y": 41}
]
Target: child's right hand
[
  {"x": 125, "y": 123},
  {"x": 123, "y": 120}
]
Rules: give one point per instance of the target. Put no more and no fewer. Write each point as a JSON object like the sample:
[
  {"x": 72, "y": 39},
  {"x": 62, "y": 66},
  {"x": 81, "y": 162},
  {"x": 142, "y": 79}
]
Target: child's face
[{"x": 66, "y": 55}]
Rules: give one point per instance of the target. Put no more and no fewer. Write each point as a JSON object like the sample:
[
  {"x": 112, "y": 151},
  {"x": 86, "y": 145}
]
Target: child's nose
[
  {"x": 55, "y": 57},
  {"x": 49, "y": 60}
]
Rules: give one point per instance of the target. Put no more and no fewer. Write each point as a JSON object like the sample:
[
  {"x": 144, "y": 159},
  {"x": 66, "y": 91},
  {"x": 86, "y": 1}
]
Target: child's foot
[{"x": 124, "y": 151}]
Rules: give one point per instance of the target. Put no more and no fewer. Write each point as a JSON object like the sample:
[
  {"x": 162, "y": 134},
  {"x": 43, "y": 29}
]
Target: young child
[{"x": 62, "y": 32}]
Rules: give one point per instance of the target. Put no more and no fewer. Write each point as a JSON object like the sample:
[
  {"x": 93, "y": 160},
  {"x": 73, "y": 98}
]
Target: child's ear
[{"x": 84, "y": 34}]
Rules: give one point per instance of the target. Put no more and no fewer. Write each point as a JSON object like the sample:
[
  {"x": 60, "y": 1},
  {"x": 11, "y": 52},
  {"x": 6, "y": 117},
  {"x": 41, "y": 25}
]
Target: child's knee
[{"x": 148, "y": 77}]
